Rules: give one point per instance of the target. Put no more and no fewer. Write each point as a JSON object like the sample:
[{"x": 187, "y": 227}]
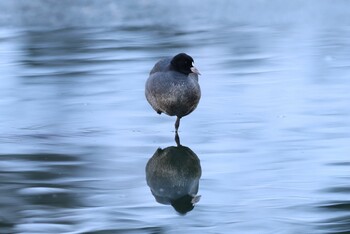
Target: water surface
[{"x": 271, "y": 131}]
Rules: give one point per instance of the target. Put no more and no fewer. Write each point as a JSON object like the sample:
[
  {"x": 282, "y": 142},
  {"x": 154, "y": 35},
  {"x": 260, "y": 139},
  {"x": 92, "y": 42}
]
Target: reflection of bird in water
[
  {"x": 172, "y": 87},
  {"x": 173, "y": 176}
]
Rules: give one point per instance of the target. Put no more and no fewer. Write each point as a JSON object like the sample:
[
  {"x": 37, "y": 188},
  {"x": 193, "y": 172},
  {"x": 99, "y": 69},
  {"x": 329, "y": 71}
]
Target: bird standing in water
[{"x": 172, "y": 87}]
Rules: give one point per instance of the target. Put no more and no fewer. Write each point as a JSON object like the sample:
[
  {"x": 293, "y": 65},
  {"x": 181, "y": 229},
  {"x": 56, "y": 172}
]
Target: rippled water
[{"x": 271, "y": 131}]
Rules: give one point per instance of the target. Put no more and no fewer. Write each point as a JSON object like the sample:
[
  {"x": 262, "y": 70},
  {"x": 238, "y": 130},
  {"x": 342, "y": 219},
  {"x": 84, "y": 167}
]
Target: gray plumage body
[{"x": 171, "y": 92}]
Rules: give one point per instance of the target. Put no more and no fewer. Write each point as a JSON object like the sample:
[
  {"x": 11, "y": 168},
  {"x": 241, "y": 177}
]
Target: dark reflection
[{"x": 173, "y": 176}]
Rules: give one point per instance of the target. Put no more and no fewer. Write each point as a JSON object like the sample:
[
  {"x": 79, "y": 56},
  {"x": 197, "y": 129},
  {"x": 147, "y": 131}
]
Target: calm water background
[{"x": 272, "y": 130}]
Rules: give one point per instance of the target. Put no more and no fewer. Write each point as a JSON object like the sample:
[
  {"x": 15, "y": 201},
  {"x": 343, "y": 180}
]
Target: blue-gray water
[{"x": 272, "y": 130}]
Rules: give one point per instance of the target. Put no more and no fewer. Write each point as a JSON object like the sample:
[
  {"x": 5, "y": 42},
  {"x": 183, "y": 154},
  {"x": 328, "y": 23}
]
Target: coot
[{"x": 172, "y": 87}]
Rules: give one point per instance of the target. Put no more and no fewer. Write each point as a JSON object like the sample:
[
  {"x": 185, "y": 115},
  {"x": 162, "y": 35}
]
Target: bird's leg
[
  {"x": 177, "y": 124},
  {"x": 177, "y": 139}
]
